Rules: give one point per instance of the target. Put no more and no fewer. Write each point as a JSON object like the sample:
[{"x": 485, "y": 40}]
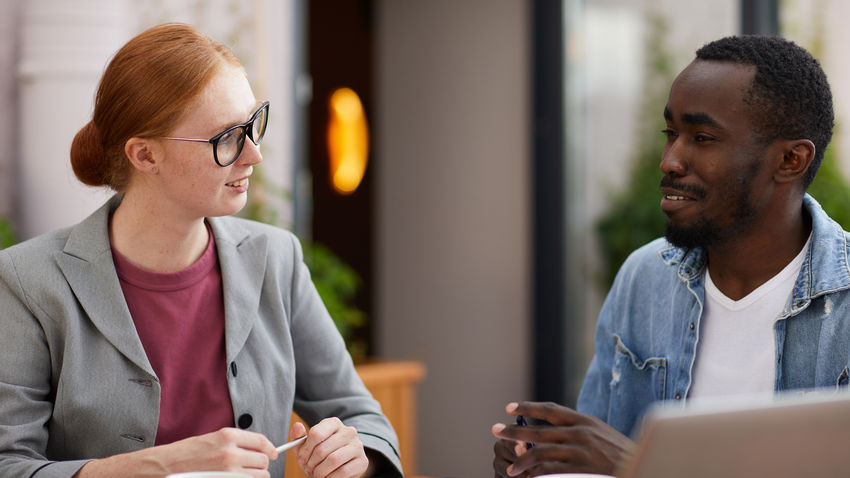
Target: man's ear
[
  {"x": 143, "y": 154},
  {"x": 796, "y": 158}
]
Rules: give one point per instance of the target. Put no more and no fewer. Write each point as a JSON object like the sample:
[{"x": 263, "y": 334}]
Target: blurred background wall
[
  {"x": 453, "y": 211},
  {"x": 500, "y": 131}
]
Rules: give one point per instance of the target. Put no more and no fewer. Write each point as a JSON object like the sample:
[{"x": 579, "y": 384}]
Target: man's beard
[
  {"x": 705, "y": 232},
  {"x": 701, "y": 234}
]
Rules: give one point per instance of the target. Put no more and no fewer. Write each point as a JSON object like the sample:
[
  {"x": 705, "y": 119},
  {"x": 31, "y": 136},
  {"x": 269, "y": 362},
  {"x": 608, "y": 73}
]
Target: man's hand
[
  {"x": 332, "y": 450},
  {"x": 573, "y": 443}
]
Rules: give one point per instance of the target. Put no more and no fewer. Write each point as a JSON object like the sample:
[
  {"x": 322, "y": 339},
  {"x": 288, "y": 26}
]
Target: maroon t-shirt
[{"x": 180, "y": 320}]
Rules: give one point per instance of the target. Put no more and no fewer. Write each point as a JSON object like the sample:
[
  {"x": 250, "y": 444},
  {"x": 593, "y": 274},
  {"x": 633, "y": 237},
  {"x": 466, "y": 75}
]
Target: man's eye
[
  {"x": 701, "y": 138},
  {"x": 669, "y": 133}
]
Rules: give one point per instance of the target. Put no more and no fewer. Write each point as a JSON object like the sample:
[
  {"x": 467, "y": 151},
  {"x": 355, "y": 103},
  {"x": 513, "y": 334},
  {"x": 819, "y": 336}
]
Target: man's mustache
[{"x": 695, "y": 192}]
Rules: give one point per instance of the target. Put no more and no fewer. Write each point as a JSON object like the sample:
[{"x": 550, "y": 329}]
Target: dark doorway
[{"x": 340, "y": 55}]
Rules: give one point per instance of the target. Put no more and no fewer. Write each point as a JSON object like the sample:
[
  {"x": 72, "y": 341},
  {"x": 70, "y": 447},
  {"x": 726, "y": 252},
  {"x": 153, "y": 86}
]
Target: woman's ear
[
  {"x": 796, "y": 160},
  {"x": 143, "y": 154}
]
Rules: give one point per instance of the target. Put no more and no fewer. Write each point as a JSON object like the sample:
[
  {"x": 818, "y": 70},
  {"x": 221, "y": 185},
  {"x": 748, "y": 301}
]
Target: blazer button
[
  {"x": 245, "y": 420},
  {"x": 233, "y": 369}
]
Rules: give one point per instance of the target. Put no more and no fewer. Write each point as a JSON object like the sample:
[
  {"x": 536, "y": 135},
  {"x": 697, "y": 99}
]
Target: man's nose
[{"x": 673, "y": 159}]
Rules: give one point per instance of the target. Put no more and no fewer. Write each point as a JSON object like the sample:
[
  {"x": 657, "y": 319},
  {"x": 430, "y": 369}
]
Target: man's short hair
[{"x": 789, "y": 97}]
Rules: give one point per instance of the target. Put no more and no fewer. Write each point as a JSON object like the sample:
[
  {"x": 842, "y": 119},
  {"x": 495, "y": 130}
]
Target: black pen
[{"x": 521, "y": 422}]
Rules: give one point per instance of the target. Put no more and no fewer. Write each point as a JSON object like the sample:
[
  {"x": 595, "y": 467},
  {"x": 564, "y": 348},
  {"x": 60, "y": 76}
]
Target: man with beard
[{"x": 748, "y": 292}]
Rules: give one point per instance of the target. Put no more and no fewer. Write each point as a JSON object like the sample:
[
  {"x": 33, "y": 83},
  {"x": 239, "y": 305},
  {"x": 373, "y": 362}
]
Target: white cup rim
[
  {"x": 575, "y": 475},
  {"x": 208, "y": 474}
]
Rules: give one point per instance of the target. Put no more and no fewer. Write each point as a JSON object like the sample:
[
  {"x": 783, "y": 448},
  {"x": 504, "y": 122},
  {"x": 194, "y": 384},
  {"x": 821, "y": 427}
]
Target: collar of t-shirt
[
  {"x": 736, "y": 349},
  {"x": 171, "y": 281}
]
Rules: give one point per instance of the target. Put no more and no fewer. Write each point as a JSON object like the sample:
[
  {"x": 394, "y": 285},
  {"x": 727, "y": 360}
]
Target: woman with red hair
[{"x": 161, "y": 335}]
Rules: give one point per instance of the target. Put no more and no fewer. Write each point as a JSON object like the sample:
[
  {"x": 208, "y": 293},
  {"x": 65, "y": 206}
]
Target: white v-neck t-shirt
[{"x": 737, "y": 348}]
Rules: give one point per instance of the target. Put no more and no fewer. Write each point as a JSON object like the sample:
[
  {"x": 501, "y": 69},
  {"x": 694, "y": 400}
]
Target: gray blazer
[{"x": 75, "y": 383}]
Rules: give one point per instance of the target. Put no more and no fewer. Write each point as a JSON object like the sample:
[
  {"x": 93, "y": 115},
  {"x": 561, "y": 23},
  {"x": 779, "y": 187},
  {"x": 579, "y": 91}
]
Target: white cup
[{"x": 208, "y": 474}]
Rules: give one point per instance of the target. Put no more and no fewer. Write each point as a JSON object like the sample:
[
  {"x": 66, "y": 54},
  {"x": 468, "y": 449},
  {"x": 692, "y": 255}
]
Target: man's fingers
[
  {"x": 517, "y": 433},
  {"x": 549, "y": 411},
  {"x": 549, "y": 458},
  {"x": 541, "y": 434},
  {"x": 520, "y": 448}
]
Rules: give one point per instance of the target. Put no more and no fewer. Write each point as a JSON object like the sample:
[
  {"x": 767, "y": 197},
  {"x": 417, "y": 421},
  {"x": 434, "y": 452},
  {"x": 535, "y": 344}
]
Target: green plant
[
  {"x": 830, "y": 187},
  {"x": 7, "y": 234}
]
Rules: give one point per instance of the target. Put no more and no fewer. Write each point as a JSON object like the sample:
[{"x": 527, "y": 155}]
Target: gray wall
[{"x": 452, "y": 170}]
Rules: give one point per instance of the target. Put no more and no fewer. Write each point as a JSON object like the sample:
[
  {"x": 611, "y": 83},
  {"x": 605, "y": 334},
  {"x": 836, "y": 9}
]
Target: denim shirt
[{"x": 648, "y": 328}]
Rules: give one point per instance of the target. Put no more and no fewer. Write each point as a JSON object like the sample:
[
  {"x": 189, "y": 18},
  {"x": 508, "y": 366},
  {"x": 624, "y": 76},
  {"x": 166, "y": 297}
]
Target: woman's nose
[{"x": 250, "y": 154}]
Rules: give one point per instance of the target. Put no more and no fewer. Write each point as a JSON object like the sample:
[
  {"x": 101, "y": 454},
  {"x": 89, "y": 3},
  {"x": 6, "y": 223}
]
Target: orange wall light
[{"x": 348, "y": 140}]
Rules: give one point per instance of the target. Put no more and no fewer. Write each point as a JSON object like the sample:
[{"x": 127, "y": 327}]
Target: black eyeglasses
[{"x": 228, "y": 144}]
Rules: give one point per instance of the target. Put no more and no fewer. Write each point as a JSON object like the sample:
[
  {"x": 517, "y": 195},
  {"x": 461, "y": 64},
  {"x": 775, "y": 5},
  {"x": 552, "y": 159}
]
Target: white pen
[{"x": 288, "y": 445}]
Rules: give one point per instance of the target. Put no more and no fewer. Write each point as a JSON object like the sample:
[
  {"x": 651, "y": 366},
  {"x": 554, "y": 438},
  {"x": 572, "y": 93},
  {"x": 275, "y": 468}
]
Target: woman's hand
[
  {"x": 332, "y": 450},
  {"x": 228, "y": 449}
]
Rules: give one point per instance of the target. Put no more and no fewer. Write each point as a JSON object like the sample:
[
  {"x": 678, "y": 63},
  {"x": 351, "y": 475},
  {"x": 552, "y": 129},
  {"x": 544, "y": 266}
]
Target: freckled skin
[
  {"x": 193, "y": 182},
  {"x": 159, "y": 224}
]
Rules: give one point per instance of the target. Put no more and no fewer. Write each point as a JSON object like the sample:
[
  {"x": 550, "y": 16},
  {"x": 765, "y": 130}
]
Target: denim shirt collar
[{"x": 826, "y": 267}]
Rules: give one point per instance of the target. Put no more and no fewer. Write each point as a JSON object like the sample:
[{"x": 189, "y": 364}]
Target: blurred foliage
[
  {"x": 336, "y": 281},
  {"x": 7, "y": 234},
  {"x": 261, "y": 201},
  {"x": 635, "y": 217},
  {"x": 337, "y": 284},
  {"x": 830, "y": 187}
]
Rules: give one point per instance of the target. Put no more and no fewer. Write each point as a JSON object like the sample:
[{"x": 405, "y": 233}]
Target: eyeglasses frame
[{"x": 247, "y": 130}]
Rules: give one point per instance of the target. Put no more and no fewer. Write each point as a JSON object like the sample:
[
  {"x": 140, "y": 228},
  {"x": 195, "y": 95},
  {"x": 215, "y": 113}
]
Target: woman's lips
[
  {"x": 239, "y": 186},
  {"x": 238, "y": 183}
]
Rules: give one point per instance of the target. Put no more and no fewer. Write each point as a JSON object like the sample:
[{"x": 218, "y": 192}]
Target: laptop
[{"x": 793, "y": 435}]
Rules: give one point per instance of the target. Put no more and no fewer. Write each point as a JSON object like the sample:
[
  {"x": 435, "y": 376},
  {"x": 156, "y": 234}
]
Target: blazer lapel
[
  {"x": 242, "y": 259},
  {"x": 87, "y": 265}
]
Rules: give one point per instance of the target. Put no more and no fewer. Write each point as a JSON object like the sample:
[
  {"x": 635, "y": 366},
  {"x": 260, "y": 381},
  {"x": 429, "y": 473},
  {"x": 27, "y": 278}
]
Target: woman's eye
[{"x": 229, "y": 137}]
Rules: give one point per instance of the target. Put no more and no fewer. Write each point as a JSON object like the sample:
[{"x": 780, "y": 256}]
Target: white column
[
  {"x": 8, "y": 113},
  {"x": 274, "y": 80},
  {"x": 64, "y": 49}
]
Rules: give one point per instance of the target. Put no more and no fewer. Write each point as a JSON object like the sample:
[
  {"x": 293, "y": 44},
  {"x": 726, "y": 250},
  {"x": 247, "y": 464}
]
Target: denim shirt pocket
[
  {"x": 635, "y": 384},
  {"x": 844, "y": 378}
]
